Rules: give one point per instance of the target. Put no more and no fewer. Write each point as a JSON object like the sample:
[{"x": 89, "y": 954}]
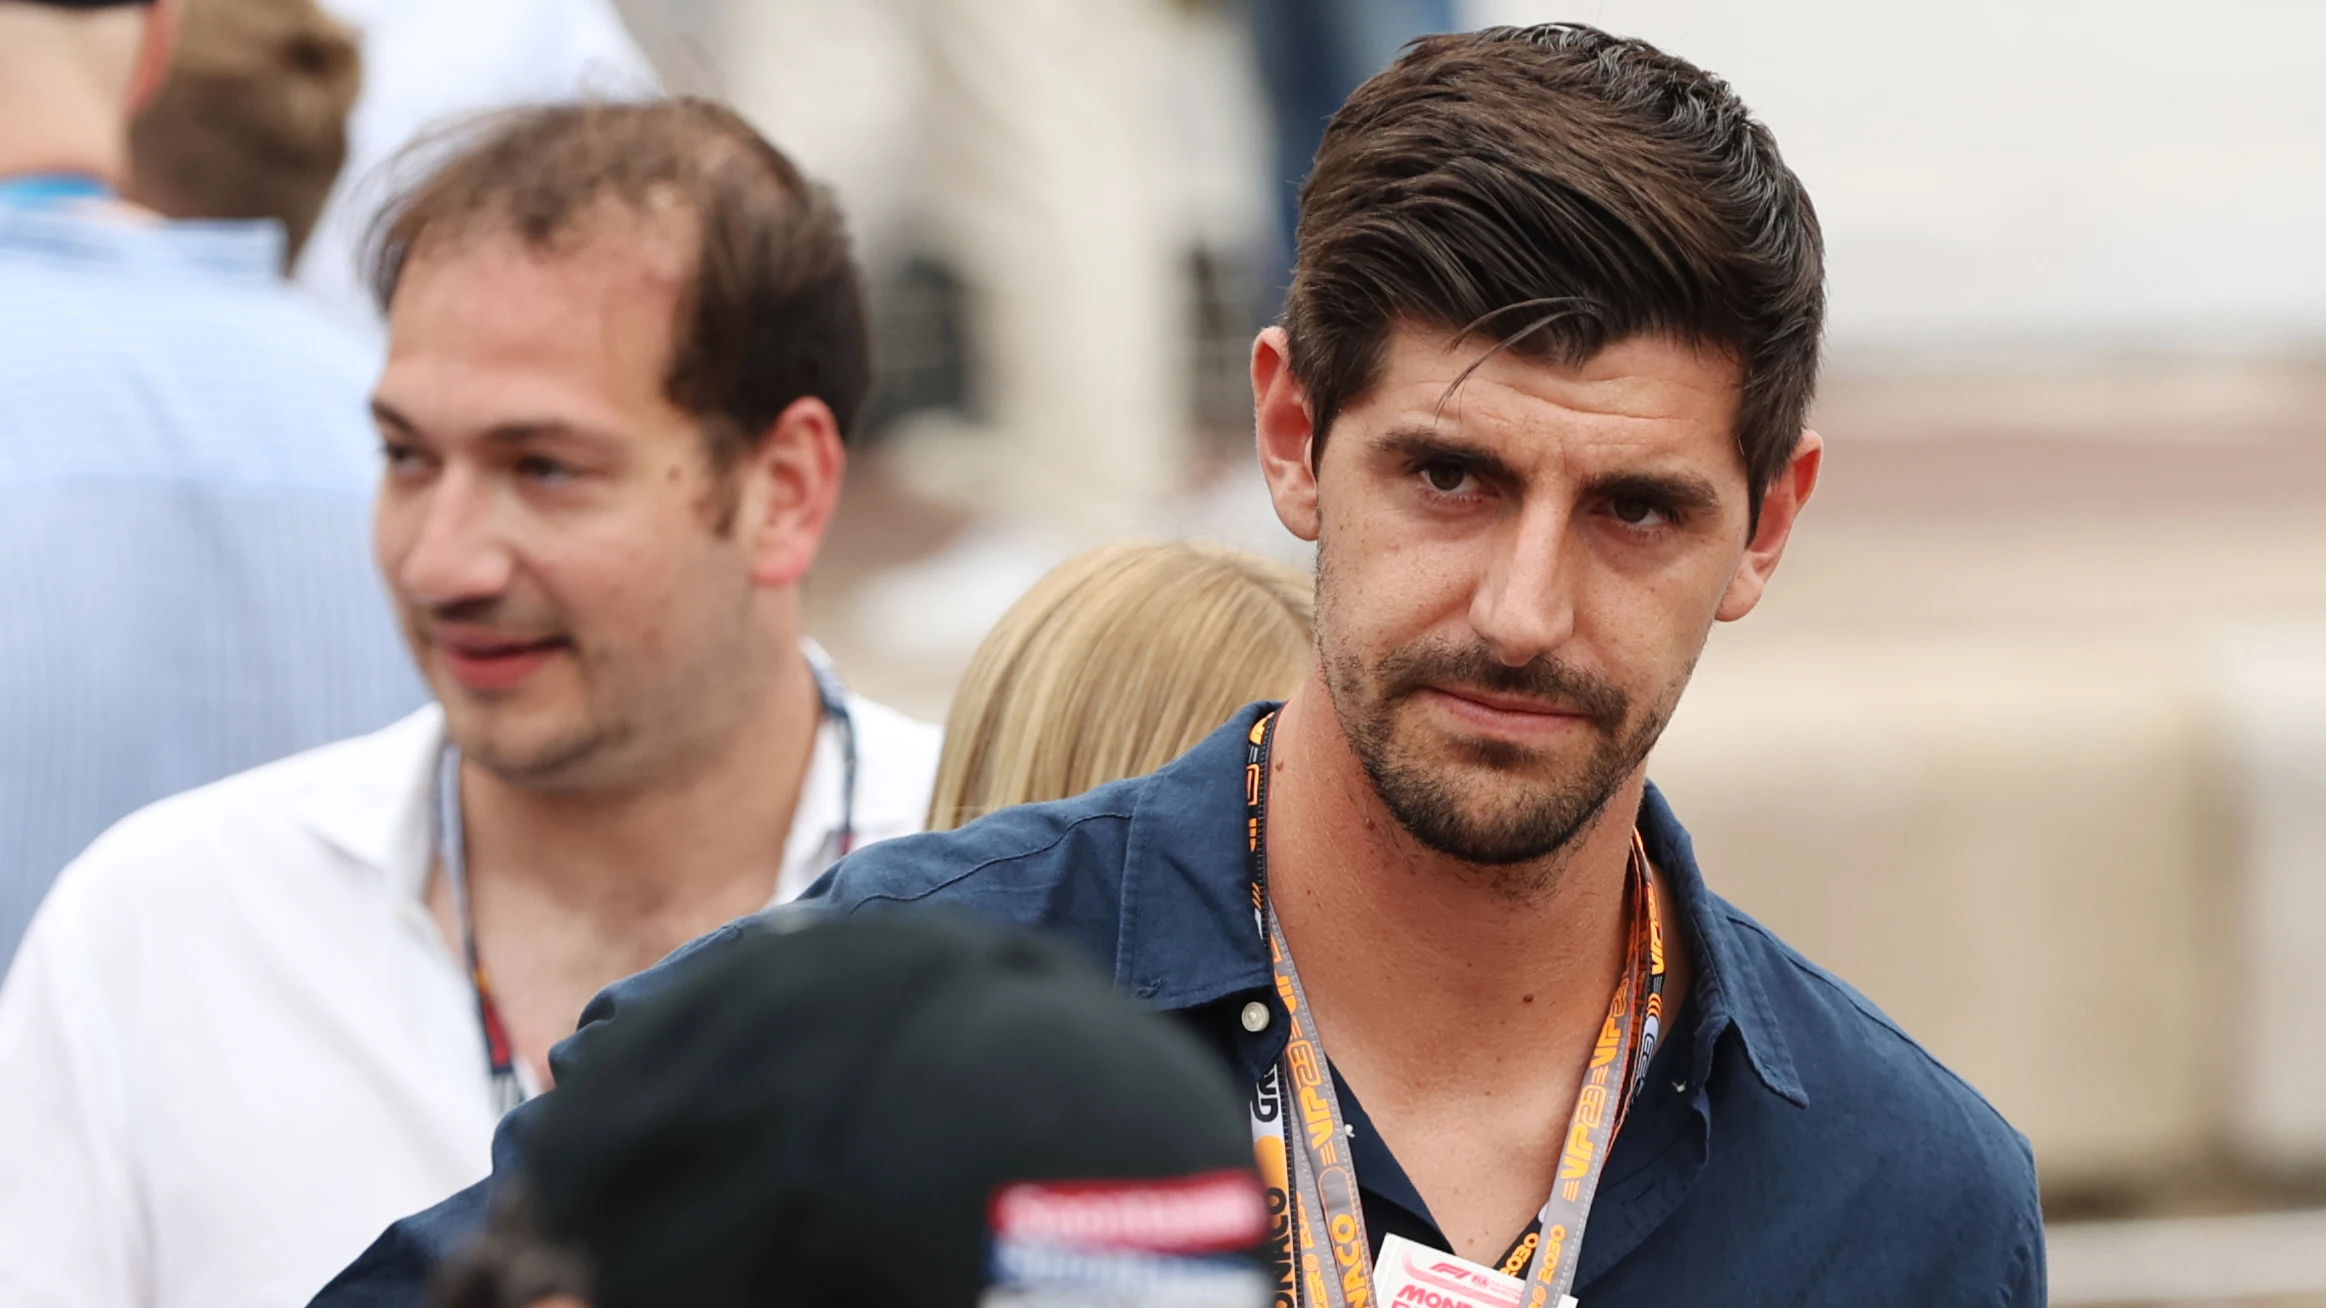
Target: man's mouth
[
  {"x": 482, "y": 663},
  {"x": 1505, "y": 714}
]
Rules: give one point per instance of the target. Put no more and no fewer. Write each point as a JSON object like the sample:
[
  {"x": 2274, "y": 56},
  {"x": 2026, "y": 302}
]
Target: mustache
[
  {"x": 479, "y": 612},
  {"x": 1448, "y": 667},
  {"x": 487, "y": 610},
  {"x": 490, "y": 611}
]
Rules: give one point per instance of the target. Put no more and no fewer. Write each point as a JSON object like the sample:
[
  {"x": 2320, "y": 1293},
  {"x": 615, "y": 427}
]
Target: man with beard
[{"x": 1538, "y": 397}]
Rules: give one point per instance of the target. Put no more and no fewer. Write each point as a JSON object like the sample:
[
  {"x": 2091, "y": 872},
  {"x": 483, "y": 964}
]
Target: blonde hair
[{"x": 1113, "y": 665}]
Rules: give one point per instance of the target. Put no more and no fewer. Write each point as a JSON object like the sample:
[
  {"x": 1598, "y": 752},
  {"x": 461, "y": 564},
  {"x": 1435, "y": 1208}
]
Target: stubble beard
[
  {"x": 561, "y": 764},
  {"x": 575, "y": 756},
  {"x": 515, "y": 753},
  {"x": 1507, "y": 811}
]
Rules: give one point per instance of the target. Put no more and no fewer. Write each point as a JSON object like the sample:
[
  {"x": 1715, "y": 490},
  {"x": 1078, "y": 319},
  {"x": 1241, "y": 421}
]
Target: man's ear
[
  {"x": 1780, "y": 509},
  {"x": 790, "y": 486},
  {"x": 1284, "y": 433},
  {"x": 154, "y": 48}
]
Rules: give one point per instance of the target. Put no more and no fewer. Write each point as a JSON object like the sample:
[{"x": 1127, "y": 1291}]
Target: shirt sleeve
[{"x": 70, "y": 1234}]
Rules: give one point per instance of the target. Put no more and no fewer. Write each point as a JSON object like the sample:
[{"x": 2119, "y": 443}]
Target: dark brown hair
[
  {"x": 775, "y": 312},
  {"x": 1554, "y": 190},
  {"x": 252, "y": 121}
]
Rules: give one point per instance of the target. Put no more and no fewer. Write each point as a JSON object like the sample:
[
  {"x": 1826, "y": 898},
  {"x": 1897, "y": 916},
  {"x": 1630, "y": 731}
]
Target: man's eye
[
  {"x": 533, "y": 467},
  {"x": 1445, "y": 478},
  {"x": 1632, "y": 511},
  {"x": 400, "y": 458}
]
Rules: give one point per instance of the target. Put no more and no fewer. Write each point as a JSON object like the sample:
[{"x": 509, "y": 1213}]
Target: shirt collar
[
  {"x": 896, "y": 763},
  {"x": 1727, "y": 992},
  {"x": 1189, "y": 937},
  {"x": 235, "y": 251},
  {"x": 814, "y": 841},
  {"x": 370, "y": 798}
]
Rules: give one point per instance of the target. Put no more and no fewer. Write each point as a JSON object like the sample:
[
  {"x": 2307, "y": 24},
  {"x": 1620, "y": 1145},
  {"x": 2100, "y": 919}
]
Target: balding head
[{"x": 71, "y": 76}]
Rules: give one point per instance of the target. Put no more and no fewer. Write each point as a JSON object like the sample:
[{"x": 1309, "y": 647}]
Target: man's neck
[
  {"x": 654, "y": 865},
  {"x": 52, "y": 120},
  {"x": 570, "y": 891},
  {"x": 1401, "y": 947}
]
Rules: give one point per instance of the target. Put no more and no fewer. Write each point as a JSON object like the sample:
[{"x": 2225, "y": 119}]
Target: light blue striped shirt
[{"x": 186, "y": 469}]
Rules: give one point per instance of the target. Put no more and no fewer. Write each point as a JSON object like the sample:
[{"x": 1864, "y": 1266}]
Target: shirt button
[{"x": 1255, "y": 1017}]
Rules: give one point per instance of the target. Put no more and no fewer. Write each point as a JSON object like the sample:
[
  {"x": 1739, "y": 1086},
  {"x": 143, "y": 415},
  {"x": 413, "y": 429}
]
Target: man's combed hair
[
  {"x": 775, "y": 309},
  {"x": 1556, "y": 189}
]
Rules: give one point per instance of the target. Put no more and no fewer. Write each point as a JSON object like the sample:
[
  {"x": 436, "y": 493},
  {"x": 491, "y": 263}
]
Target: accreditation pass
[{"x": 1411, "y": 1275}]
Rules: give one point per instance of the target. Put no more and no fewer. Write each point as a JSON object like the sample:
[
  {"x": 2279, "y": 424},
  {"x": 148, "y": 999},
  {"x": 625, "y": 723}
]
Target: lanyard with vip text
[
  {"x": 1301, "y": 1140},
  {"x": 452, "y": 861}
]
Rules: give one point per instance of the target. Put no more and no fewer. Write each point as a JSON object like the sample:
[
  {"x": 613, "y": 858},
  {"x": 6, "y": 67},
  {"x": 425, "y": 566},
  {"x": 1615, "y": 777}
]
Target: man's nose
[
  {"x": 457, "y": 552},
  {"x": 1524, "y": 607}
]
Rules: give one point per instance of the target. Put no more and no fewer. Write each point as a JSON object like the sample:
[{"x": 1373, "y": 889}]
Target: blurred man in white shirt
[{"x": 259, "y": 1020}]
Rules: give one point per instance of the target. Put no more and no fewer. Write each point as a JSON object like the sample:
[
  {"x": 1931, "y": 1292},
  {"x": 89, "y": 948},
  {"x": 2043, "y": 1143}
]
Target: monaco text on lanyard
[
  {"x": 1301, "y": 1140},
  {"x": 508, "y": 1086}
]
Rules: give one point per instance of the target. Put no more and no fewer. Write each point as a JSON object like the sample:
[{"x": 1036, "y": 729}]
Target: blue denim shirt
[{"x": 1793, "y": 1146}]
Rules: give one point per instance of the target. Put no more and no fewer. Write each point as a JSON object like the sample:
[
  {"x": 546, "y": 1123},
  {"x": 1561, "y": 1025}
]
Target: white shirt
[{"x": 235, "y": 1045}]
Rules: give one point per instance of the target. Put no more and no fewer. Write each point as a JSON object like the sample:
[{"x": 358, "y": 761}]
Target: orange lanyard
[{"x": 1301, "y": 1139}]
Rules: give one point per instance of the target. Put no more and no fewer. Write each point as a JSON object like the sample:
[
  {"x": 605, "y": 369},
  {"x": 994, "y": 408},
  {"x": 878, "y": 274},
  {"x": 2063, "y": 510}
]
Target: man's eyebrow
[
  {"x": 387, "y": 415},
  {"x": 529, "y": 429},
  {"x": 1678, "y": 490},
  {"x": 506, "y": 433},
  {"x": 1426, "y": 445}
]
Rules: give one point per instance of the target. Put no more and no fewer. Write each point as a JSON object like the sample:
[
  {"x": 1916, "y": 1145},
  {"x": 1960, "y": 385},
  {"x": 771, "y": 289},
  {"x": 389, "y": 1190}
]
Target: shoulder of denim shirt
[
  {"x": 1953, "y": 1153},
  {"x": 1933, "y": 1163},
  {"x": 1130, "y": 869},
  {"x": 1056, "y": 865},
  {"x": 1838, "y": 1086}
]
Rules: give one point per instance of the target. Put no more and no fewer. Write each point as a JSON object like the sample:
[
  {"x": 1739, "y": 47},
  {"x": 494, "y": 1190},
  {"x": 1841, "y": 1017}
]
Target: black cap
[{"x": 907, "y": 1109}]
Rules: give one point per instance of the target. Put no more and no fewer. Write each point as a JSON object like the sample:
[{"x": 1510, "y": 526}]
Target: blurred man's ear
[
  {"x": 153, "y": 55},
  {"x": 790, "y": 486}
]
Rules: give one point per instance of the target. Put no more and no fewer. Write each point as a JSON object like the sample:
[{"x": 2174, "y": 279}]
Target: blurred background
[{"x": 2029, "y": 739}]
